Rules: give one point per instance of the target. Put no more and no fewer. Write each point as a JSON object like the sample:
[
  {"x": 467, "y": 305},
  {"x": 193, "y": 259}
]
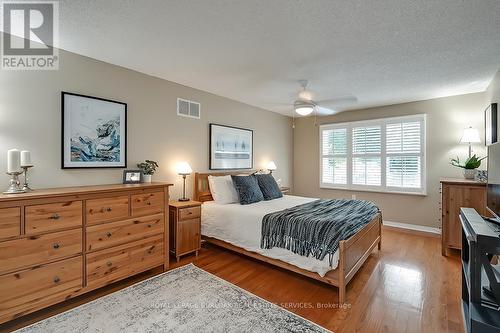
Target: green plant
[
  {"x": 148, "y": 167},
  {"x": 473, "y": 162}
]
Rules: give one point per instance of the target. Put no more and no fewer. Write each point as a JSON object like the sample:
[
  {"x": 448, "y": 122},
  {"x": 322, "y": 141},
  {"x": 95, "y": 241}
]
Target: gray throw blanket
[{"x": 317, "y": 227}]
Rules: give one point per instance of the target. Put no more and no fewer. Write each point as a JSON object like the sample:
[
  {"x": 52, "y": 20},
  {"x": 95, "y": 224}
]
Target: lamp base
[{"x": 184, "y": 199}]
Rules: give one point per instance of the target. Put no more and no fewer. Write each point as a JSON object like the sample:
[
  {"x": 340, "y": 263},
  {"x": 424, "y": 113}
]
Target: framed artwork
[
  {"x": 94, "y": 132},
  {"x": 492, "y": 123},
  {"x": 132, "y": 176},
  {"x": 231, "y": 148}
]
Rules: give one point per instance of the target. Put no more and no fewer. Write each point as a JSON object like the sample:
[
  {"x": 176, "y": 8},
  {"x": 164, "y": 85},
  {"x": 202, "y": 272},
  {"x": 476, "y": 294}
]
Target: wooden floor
[{"x": 407, "y": 287}]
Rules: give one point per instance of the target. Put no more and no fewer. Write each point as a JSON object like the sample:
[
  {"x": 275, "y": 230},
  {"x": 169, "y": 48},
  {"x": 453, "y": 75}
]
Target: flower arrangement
[
  {"x": 148, "y": 167},
  {"x": 471, "y": 163}
]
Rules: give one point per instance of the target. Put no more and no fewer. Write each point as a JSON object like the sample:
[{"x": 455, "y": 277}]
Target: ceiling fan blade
[
  {"x": 322, "y": 111},
  {"x": 341, "y": 100}
]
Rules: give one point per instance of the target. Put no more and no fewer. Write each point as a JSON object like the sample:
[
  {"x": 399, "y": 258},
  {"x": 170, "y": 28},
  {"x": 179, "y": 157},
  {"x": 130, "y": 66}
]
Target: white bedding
[{"x": 240, "y": 225}]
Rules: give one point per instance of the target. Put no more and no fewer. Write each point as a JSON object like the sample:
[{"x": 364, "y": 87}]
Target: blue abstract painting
[{"x": 94, "y": 132}]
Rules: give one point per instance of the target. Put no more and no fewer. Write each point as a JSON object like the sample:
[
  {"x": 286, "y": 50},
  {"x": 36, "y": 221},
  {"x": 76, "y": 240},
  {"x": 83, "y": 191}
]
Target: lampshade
[
  {"x": 271, "y": 166},
  {"x": 471, "y": 135},
  {"x": 184, "y": 168},
  {"x": 304, "y": 110}
]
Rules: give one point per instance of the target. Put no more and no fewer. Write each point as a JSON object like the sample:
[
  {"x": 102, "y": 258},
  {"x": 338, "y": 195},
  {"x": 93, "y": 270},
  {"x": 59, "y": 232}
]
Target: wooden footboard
[{"x": 353, "y": 252}]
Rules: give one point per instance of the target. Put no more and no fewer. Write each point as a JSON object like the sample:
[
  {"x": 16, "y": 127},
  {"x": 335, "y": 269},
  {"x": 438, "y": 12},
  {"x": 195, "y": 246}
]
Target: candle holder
[
  {"x": 14, "y": 184},
  {"x": 26, "y": 187}
]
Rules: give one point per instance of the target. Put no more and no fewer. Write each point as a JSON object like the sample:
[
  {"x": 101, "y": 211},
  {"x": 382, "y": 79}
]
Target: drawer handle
[
  {"x": 148, "y": 203},
  {"x": 56, "y": 246},
  {"x": 109, "y": 264},
  {"x": 57, "y": 279},
  {"x": 55, "y": 217},
  {"x": 150, "y": 251},
  {"x": 108, "y": 234},
  {"x": 109, "y": 209},
  {"x": 189, "y": 212},
  {"x": 150, "y": 226}
]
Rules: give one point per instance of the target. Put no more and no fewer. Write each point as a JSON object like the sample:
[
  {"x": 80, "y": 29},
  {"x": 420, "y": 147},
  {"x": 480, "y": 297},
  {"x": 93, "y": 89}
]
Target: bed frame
[{"x": 353, "y": 251}]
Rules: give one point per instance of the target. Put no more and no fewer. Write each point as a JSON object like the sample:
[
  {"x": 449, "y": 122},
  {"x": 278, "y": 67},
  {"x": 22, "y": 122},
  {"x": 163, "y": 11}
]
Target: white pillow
[{"x": 222, "y": 189}]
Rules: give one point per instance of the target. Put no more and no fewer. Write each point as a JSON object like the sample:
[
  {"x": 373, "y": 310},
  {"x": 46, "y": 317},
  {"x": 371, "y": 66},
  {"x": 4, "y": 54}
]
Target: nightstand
[
  {"x": 185, "y": 227},
  {"x": 285, "y": 189}
]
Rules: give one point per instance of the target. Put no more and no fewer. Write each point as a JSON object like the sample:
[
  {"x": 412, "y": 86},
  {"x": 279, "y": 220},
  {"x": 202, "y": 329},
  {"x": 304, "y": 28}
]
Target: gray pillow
[
  {"x": 248, "y": 189},
  {"x": 268, "y": 186}
]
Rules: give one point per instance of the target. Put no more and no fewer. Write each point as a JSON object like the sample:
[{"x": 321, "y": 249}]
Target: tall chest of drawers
[{"x": 59, "y": 243}]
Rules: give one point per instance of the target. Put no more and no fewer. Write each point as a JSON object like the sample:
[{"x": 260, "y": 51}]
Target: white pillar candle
[
  {"x": 13, "y": 160},
  {"x": 25, "y": 158}
]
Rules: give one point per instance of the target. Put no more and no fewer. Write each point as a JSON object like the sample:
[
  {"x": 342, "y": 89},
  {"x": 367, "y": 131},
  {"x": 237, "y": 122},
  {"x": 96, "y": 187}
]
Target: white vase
[
  {"x": 146, "y": 178},
  {"x": 469, "y": 173}
]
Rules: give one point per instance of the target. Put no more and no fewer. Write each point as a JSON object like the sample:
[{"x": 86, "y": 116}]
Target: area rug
[{"x": 186, "y": 299}]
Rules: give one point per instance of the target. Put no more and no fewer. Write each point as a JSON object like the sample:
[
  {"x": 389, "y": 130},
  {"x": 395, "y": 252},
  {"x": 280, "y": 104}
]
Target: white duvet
[{"x": 240, "y": 225}]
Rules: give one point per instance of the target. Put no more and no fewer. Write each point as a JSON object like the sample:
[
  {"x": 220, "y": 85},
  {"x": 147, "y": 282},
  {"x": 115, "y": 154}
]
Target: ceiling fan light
[{"x": 304, "y": 110}]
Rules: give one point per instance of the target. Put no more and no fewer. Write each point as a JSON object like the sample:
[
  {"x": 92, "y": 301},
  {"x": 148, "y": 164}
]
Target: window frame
[{"x": 383, "y": 188}]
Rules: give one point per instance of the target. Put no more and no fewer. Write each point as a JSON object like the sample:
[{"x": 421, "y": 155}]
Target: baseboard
[{"x": 413, "y": 228}]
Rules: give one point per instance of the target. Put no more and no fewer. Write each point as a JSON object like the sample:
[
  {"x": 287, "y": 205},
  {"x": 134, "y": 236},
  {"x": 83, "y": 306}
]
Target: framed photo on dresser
[
  {"x": 94, "y": 132},
  {"x": 231, "y": 148}
]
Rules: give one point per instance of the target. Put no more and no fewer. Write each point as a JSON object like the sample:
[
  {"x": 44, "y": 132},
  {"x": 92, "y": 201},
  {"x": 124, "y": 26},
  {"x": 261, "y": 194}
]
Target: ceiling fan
[{"x": 305, "y": 105}]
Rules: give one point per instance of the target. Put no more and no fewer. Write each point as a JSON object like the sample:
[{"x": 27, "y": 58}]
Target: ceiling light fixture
[{"x": 304, "y": 108}]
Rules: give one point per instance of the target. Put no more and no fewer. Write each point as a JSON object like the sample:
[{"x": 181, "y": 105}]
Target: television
[
  {"x": 492, "y": 124},
  {"x": 493, "y": 186}
]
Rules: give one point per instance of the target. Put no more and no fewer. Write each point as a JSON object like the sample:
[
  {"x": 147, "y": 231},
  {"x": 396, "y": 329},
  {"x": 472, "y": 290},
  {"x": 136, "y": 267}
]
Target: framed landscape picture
[
  {"x": 492, "y": 122},
  {"x": 231, "y": 148},
  {"x": 94, "y": 132}
]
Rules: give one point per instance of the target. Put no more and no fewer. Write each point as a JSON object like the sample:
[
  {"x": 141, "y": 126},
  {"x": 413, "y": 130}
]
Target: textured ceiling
[{"x": 383, "y": 52}]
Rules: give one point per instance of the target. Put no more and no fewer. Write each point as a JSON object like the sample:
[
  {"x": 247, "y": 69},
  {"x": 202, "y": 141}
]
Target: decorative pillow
[
  {"x": 268, "y": 186},
  {"x": 248, "y": 189},
  {"x": 222, "y": 189}
]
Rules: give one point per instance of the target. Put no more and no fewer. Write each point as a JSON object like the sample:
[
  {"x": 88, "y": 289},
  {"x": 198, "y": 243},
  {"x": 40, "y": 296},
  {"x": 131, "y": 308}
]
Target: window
[{"x": 386, "y": 155}]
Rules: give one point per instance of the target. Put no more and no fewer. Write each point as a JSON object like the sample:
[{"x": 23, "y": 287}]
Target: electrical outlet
[{"x": 353, "y": 197}]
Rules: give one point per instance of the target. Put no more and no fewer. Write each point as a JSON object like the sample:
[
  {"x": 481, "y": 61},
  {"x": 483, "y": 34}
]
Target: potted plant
[
  {"x": 148, "y": 168},
  {"x": 470, "y": 165}
]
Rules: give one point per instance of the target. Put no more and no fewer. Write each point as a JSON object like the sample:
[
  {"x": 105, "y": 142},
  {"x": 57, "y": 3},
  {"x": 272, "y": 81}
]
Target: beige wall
[
  {"x": 30, "y": 114},
  {"x": 446, "y": 119}
]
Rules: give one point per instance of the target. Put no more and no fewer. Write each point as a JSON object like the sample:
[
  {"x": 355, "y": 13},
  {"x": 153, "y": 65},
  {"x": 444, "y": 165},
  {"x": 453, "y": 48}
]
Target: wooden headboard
[{"x": 202, "y": 189}]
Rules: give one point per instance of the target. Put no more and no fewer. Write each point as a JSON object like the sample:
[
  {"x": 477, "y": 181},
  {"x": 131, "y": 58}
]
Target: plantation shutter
[
  {"x": 385, "y": 155},
  {"x": 334, "y": 156},
  {"x": 366, "y": 155},
  {"x": 404, "y": 148}
]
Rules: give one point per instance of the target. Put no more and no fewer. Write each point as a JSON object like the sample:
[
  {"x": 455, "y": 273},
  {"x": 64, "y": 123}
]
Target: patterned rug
[{"x": 186, "y": 299}]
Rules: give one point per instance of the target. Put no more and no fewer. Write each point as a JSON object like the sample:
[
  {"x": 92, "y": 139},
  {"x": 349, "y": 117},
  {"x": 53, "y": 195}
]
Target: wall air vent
[{"x": 186, "y": 108}]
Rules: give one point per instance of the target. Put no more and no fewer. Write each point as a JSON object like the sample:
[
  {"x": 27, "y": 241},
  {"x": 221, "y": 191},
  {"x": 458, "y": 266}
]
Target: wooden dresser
[
  {"x": 457, "y": 193},
  {"x": 59, "y": 243}
]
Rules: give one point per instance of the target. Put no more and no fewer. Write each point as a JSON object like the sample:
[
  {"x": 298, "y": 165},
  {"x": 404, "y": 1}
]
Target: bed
[{"x": 237, "y": 227}]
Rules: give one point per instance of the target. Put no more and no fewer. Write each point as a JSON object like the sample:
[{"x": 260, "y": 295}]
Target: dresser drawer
[
  {"x": 10, "y": 222},
  {"x": 107, "y": 266},
  {"x": 54, "y": 216},
  {"x": 25, "y": 291},
  {"x": 36, "y": 250},
  {"x": 106, "y": 209},
  {"x": 147, "y": 203},
  {"x": 116, "y": 233},
  {"x": 189, "y": 213}
]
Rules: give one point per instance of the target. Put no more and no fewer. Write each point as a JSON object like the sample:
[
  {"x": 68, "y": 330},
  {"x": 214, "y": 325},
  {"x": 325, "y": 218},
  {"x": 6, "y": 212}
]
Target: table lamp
[
  {"x": 271, "y": 166},
  {"x": 471, "y": 135},
  {"x": 184, "y": 169}
]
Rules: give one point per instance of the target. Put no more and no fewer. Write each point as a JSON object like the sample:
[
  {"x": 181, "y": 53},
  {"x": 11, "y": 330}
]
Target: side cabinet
[{"x": 456, "y": 194}]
